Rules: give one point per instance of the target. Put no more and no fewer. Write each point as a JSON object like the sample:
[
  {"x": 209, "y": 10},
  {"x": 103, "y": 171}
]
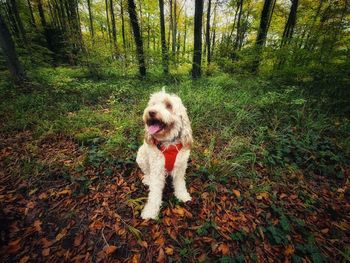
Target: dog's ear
[{"x": 186, "y": 137}]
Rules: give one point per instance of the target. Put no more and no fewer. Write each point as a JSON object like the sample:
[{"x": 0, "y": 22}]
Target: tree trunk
[
  {"x": 91, "y": 21},
  {"x": 123, "y": 24},
  {"x": 165, "y": 57},
  {"x": 19, "y": 22},
  {"x": 208, "y": 33},
  {"x": 173, "y": 37},
  {"x": 108, "y": 26},
  {"x": 114, "y": 31},
  {"x": 31, "y": 13},
  {"x": 262, "y": 33},
  {"x": 197, "y": 48},
  {"x": 137, "y": 36},
  {"x": 17, "y": 73},
  {"x": 185, "y": 37},
  {"x": 239, "y": 29},
  {"x": 171, "y": 21},
  {"x": 290, "y": 25}
]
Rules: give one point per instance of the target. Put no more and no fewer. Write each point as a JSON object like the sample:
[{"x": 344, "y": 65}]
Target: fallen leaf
[
  {"x": 179, "y": 211},
  {"x": 61, "y": 234},
  {"x": 169, "y": 250},
  {"x": 64, "y": 192},
  {"x": 46, "y": 252},
  {"x": 237, "y": 193},
  {"x": 289, "y": 251},
  {"x": 263, "y": 195},
  {"x": 43, "y": 196},
  {"x": 110, "y": 249},
  {"x": 143, "y": 244},
  {"x": 24, "y": 259},
  {"x": 224, "y": 249},
  {"x": 161, "y": 256},
  {"x": 78, "y": 239},
  {"x": 136, "y": 258},
  {"x": 14, "y": 246},
  {"x": 37, "y": 225}
]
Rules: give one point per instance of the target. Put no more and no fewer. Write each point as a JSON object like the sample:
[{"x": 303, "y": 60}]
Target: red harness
[{"x": 169, "y": 153}]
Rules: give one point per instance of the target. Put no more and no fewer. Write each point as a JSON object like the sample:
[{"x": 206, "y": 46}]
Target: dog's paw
[
  {"x": 184, "y": 197},
  {"x": 149, "y": 213}
]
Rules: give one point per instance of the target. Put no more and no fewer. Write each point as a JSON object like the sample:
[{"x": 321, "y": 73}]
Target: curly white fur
[{"x": 168, "y": 108}]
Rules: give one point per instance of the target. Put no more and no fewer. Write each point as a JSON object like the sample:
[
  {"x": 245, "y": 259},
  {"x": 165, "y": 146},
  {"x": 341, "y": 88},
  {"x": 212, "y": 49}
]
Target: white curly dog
[{"x": 166, "y": 148}]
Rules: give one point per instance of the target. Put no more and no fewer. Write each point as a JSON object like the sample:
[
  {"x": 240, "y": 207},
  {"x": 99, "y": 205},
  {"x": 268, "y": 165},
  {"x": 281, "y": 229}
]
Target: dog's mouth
[{"x": 155, "y": 126}]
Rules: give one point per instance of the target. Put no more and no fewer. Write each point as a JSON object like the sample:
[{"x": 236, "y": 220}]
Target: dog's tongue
[{"x": 153, "y": 128}]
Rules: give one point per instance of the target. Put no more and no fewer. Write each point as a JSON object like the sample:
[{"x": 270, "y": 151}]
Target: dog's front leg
[
  {"x": 178, "y": 175},
  {"x": 156, "y": 186}
]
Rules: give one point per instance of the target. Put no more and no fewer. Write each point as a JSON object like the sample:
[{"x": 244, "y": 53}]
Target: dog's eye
[{"x": 168, "y": 105}]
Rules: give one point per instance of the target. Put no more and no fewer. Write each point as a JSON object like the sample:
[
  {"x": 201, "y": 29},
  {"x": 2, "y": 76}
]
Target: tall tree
[
  {"x": 137, "y": 36},
  {"x": 108, "y": 26},
  {"x": 17, "y": 73},
  {"x": 31, "y": 13},
  {"x": 91, "y": 20},
  {"x": 165, "y": 57},
  {"x": 291, "y": 22},
  {"x": 207, "y": 39},
  {"x": 262, "y": 32},
  {"x": 174, "y": 32},
  {"x": 197, "y": 46},
  {"x": 114, "y": 31},
  {"x": 14, "y": 10},
  {"x": 123, "y": 24}
]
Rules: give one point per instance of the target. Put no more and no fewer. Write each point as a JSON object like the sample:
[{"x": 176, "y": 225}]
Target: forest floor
[{"x": 268, "y": 175}]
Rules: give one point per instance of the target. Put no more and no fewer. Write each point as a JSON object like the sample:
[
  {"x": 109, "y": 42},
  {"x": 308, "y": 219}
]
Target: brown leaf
[
  {"x": 37, "y": 225},
  {"x": 78, "y": 239},
  {"x": 64, "y": 192},
  {"x": 161, "y": 256},
  {"x": 289, "y": 251},
  {"x": 263, "y": 195},
  {"x": 224, "y": 249},
  {"x": 14, "y": 246},
  {"x": 61, "y": 234},
  {"x": 110, "y": 249},
  {"x": 179, "y": 211},
  {"x": 46, "y": 252},
  {"x": 237, "y": 193},
  {"x": 24, "y": 259},
  {"x": 136, "y": 258},
  {"x": 43, "y": 196},
  {"x": 143, "y": 244},
  {"x": 169, "y": 251}
]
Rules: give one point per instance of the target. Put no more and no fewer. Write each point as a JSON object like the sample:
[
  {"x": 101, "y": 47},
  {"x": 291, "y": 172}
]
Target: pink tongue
[{"x": 153, "y": 129}]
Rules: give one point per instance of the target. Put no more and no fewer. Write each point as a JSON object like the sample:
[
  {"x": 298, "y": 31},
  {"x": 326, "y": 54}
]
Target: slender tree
[
  {"x": 165, "y": 57},
  {"x": 91, "y": 20},
  {"x": 291, "y": 22},
  {"x": 262, "y": 33},
  {"x": 137, "y": 36},
  {"x": 114, "y": 30},
  {"x": 17, "y": 73},
  {"x": 197, "y": 47},
  {"x": 108, "y": 26},
  {"x": 123, "y": 24},
  {"x": 207, "y": 39},
  {"x": 31, "y": 13}
]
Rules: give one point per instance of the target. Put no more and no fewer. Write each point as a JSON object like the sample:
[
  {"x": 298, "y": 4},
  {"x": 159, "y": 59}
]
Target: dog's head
[{"x": 166, "y": 119}]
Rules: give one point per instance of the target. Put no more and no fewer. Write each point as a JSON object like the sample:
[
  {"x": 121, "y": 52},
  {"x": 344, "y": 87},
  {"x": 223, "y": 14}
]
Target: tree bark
[
  {"x": 123, "y": 24},
  {"x": 238, "y": 34},
  {"x": 165, "y": 57},
  {"x": 31, "y": 13},
  {"x": 197, "y": 49},
  {"x": 91, "y": 21},
  {"x": 208, "y": 33},
  {"x": 17, "y": 73},
  {"x": 262, "y": 33},
  {"x": 137, "y": 36},
  {"x": 290, "y": 25},
  {"x": 174, "y": 33},
  {"x": 114, "y": 31},
  {"x": 108, "y": 26}
]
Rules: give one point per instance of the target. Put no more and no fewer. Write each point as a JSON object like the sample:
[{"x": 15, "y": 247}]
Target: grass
[
  {"x": 264, "y": 134},
  {"x": 237, "y": 122}
]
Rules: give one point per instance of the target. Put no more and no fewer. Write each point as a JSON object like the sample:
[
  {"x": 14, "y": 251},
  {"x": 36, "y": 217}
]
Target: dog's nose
[{"x": 152, "y": 114}]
